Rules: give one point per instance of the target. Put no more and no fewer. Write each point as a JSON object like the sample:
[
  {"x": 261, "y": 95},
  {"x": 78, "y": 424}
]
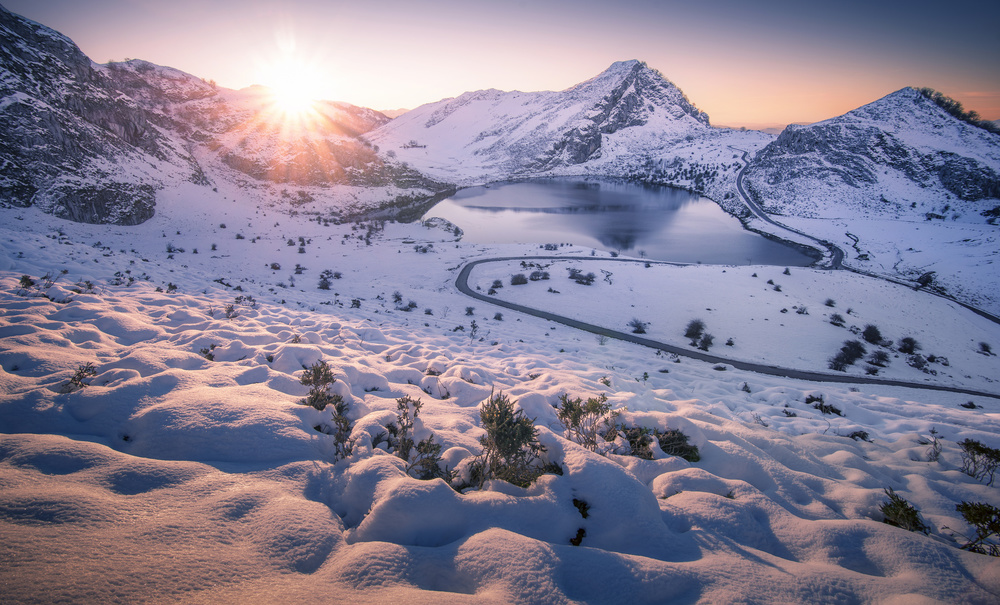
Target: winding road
[
  {"x": 462, "y": 283},
  {"x": 836, "y": 258}
]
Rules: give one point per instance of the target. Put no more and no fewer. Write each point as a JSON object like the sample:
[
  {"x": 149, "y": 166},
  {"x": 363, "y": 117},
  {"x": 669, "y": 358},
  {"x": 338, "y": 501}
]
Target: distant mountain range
[{"x": 94, "y": 143}]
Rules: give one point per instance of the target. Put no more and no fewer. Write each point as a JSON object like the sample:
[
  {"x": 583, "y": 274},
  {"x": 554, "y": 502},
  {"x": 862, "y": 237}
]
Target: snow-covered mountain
[
  {"x": 495, "y": 134},
  {"x": 94, "y": 143},
  {"x": 900, "y": 156}
]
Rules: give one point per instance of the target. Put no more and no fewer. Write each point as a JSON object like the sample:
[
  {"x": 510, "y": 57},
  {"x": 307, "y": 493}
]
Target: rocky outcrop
[{"x": 900, "y": 153}]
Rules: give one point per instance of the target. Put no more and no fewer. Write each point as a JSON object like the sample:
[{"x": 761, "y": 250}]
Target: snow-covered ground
[{"x": 176, "y": 478}]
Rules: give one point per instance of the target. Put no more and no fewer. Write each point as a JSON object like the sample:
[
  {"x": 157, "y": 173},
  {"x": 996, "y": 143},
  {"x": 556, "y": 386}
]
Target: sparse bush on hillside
[
  {"x": 979, "y": 461},
  {"x": 518, "y": 280},
  {"x": 76, "y": 382},
  {"x": 871, "y": 334},
  {"x": 638, "y": 326},
  {"x": 985, "y": 348},
  {"x": 850, "y": 352},
  {"x": 538, "y": 275},
  {"x": 879, "y": 358},
  {"x": 955, "y": 109},
  {"x": 898, "y": 512},
  {"x": 837, "y": 319},
  {"x": 423, "y": 458},
  {"x": 672, "y": 442},
  {"x": 706, "y": 341},
  {"x": 908, "y": 345},
  {"x": 318, "y": 377},
  {"x": 985, "y": 518},
  {"x": 830, "y": 302},
  {"x": 511, "y": 451},
  {"x": 587, "y": 421},
  {"x": 694, "y": 330}
]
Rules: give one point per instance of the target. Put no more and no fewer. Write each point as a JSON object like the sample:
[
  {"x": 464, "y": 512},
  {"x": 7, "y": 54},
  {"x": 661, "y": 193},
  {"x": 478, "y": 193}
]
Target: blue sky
[{"x": 744, "y": 63}]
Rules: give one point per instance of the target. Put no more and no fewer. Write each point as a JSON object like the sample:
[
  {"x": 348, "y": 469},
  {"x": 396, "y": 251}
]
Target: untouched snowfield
[{"x": 175, "y": 478}]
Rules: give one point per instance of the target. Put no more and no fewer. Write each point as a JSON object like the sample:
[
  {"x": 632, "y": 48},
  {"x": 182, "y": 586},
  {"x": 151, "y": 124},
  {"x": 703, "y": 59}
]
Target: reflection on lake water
[{"x": 663, "y": 223}]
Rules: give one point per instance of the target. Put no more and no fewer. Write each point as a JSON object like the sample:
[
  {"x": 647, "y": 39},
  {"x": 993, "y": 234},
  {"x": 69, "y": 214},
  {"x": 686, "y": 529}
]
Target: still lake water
[{"x": 665, "y": 223}]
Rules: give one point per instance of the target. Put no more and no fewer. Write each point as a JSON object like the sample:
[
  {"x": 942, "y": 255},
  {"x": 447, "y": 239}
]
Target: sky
[{"x": 755, "y": 64}]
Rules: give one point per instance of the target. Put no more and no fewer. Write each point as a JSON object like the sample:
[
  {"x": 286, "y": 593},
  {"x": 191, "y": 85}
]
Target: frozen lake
[{"x": 661, "y": 223}]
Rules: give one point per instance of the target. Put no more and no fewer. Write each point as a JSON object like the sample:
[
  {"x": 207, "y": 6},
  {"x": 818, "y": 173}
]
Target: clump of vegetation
[
  {"x": 584, "y": 279},
  {"x": 985, "y": 348},
  {"x": 671, "y": 441},
  {"x": 830, "y": 302},
  {"x": 871, "y": 334},
  {"x": 511, "y": 451},
  {"x": 908, "y": 345},
  {"x": 538, "y": 275},
  {"x": 820, "y": 404},
  {"x": 900, "y": 513},
  {"x": 423, "y": 458},
  {"x": 77, "y": 381},
  {"x": 979, "y": 461},
  {"x": 207, "y": 352},
  {"x": 850, "y": 352},
  {"x": 694, "y": 330},
  {"x": 518, "y": 279},
  {"x": 705, "y": 341},
  {"x": 638, "y": 326},
  {"x": 985, "y": 518},
  {"x": 318, "y": 377},
  {"x": 837, "y": 319},
  {"x": 955, "y": 109},
  {"x": 588, "y": 422}
]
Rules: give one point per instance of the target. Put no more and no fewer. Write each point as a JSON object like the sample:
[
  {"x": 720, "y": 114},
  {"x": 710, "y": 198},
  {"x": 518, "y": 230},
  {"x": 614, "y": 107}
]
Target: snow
[{"x": 176, "y": 478}]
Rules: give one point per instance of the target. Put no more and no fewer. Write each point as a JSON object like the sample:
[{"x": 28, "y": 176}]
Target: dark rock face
[
  {"x": 901, "y": 138},
  {"x": 69, "y": 137},
  {"x": 640, "y": 93}
]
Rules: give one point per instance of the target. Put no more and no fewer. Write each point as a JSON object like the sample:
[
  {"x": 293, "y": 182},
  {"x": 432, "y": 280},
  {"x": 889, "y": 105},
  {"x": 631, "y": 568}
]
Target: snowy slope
[
  {"x": 192, "y": 479},
  {"x": 491, "y": 134},
  {"x": 900, "y": 157}
]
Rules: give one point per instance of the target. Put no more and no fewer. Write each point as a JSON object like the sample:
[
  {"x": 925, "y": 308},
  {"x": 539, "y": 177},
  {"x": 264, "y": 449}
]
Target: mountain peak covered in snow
[
  {"x": 491, "y": 132},
  {"x": 900, "y": 155}
]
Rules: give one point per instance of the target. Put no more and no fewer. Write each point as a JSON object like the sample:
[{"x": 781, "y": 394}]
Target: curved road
[{"x": 462, "y": 283}]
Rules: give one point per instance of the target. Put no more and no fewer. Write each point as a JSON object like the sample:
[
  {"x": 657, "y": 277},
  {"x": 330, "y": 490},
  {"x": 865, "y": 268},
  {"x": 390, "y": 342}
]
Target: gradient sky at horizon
[{"x": 771, "y": 62}]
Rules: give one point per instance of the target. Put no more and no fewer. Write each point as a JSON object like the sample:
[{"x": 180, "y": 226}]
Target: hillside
[{"x": 97, "y": 143}]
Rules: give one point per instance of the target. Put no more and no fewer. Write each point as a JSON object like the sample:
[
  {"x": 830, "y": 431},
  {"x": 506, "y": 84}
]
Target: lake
[{"x": 656, "y": 222}]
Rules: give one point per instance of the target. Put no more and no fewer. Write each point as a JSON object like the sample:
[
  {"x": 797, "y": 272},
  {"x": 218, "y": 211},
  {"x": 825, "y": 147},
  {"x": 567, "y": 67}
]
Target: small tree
[
  {"x": 318, "y": 377},
  {"x": 837, "y": 319},
  {"x": 518, "y": 280},
  {"x": 511, "y": 451},
  {"x": 979, "y": 461}
]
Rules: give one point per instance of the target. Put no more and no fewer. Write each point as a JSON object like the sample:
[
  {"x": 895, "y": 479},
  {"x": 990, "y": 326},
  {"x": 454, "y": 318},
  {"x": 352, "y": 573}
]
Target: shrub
[
  {"x": 498, "y": 316},
  {"x": 587, "y": 422},
  {"x": 672, "y": 442},
  {"x": 538, "y": 275},
  {"x": 638, "y": 326},
  {"x": 985, "y": 518},
  {"x": 694, "y": 330},
  {"x": 580, "y": 277},
  {"x": 908, "y": 345},
  {"x": 497, "y": 284},
  {"x": 985, "y": 348},
  {"x": 318, "y": 377},
  {"x": 423, "y": 458},
  {"x": 830, "y": 302},
  {"x": 76, "y": 382},
  {"x": 900, "y": 513},
  {"x": 871, "y": 334},
  {"x": 706, "y": 341},
  {"x": 518, "y": 279},
  {"x": 837, "y": 319},
  {"x": 850, "y": 352},
  {"x": 879, "y": 358},
  {"x": 470, "y": 310},
  {"x": 275, "y": 267},
  {"x": 324, "y": 279},
  {"x": 979, "y": 461},
  {"x": 511, "y": 451}
]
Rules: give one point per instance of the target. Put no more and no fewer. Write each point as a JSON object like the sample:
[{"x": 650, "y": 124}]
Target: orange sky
[{"x": 767, "y": 63}]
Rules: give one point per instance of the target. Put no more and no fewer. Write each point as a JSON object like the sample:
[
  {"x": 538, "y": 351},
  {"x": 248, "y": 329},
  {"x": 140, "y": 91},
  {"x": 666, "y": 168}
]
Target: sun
[{"x": 295, "y": 88}]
